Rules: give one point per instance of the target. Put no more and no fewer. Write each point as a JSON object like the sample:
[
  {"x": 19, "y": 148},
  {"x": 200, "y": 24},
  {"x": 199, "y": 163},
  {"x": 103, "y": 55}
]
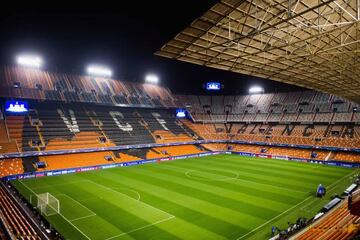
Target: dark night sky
[{"x": 122, "y": 37}]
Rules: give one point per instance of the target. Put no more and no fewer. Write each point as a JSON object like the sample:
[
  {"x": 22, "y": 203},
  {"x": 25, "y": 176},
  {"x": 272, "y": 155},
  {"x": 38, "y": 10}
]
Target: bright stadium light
[
  {"x": 256, "y": 90},
  {"x": 98, "y": 70},
  {"x": 29, "y": 61},
  {"x": 152, "y": 78}
]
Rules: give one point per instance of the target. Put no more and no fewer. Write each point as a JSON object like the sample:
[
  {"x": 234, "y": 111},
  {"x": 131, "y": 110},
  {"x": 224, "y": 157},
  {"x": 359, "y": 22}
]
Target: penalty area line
[
  {"x": 122, "y": 194},
  {"x": 58, "y": 213},
  {"x": 64, "y": 194}
]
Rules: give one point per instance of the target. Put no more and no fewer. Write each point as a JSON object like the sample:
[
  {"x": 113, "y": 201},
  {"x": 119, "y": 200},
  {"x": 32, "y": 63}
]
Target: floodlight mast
[
  {"x": 152, "y": 78},
  {"x": 33, "y": 61},
  {"x": 256, "y": 90},
  {"x": 98, "y": 70}
]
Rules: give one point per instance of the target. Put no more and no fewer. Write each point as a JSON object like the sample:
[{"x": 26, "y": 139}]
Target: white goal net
[{"x": 48, "y": 204}]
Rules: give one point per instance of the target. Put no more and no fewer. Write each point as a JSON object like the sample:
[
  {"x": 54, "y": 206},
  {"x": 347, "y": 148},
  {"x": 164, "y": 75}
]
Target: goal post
[{"x": 48, "y": 204}]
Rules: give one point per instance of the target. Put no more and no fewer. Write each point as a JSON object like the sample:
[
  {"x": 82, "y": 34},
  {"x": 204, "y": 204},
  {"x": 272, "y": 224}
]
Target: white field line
[
  {"x": 90, "y": 215},
  {"x": 79, "y": 218},
  {"x": 140, "y": 228},
  {"x": 330, "y": 186},
  {"x": 110, "y": 189},
  {"x": 334, "y": 183},
  {"x": 131, "y": 190},
  {"x": 59, "y": 213},
  {"x": 187, "y": 173},
  {"x": 273, "y": 218}
]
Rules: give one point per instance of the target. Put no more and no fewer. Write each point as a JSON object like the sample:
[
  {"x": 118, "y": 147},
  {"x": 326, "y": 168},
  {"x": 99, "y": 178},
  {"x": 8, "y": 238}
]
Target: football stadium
[{"x": 93, "y": 156}]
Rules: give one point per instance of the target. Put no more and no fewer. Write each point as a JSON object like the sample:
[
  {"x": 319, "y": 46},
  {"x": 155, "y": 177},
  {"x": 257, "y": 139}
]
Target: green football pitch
[{"x": 213, "y": 197}]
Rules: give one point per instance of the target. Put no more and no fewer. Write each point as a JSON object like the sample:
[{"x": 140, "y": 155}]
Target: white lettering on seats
[
  {"x": 162, "y": 122},
  {"x": 72, "y": 125},
  {"x": 125, "y": 127}
]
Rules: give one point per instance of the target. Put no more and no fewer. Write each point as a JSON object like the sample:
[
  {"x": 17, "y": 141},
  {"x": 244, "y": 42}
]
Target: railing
[
  {"x": 112, "y": 148},
  {"x": 6, "y": 227}
]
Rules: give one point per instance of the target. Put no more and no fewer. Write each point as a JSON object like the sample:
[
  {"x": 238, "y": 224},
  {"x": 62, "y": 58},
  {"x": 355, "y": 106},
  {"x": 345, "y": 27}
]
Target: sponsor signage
[{"x": 106, "y": 166}]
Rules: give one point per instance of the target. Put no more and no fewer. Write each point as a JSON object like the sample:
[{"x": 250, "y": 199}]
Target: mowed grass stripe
[
  {"x": 251, "y": 191},
  {"x": 210, "y": 203},
  {"x": 272, "y": 169},
  {"x": 239, "y": 180},
  {"x": 196, "y": 214},
  {"x": 122, "y": 212},
  {"x": 325, "y": 171},
  {"x": 239, "y": 184},
  {"x": 178, "y": 210},
  {"x": 215, "y": 210},
  {"x": 319, "y": 170},
  {"x": 205, "y": 192},
  {"x": 294, "y": 178},
  {"x": 260, "y": 176},
  {"x": 298, "y": 166},
  {"x": 104, "y": 204}
]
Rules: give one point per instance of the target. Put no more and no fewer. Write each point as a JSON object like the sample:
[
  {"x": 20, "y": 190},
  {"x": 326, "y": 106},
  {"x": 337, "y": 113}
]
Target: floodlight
[
  {"x": 152, "y": 78},
  {"x": 98, "y": 70},
  {"x": 256, "y": 90},
  {"x": 29, "y": 61}
]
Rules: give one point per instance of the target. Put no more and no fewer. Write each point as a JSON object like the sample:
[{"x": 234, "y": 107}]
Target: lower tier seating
[
  {"x": 17, "y": 165},
  {"x": 83, "y": 160},
  {"x": 285, "y": 151},
  {"x": 340, "y": 224},
  {"x": 348, "y": 157},
  {"x": 11, "y": 166},
  {"x": 65, "y": 161},
  {"x": 14, "y": 218},
  {"x": 178, "y": 150}
]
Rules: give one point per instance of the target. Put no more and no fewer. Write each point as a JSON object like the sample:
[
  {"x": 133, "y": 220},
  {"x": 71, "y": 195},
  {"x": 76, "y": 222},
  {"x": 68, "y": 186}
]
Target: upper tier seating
[
  {"x": 341, "y": 135},
  {"x": 37, "y": 84},
  {"x": 307, "y": 106},
  {"x": 55, "y": 126}
]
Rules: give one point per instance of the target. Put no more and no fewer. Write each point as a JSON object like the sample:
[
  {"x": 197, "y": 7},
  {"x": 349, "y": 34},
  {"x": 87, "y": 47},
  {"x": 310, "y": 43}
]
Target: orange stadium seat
[
  {"x": 340, "y": 224},
  {"x": 14, "y": 218},
  {"x": 11, "y": 166}
]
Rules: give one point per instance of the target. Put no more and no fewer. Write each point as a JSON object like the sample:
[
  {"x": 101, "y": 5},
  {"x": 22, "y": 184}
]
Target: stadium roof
[{"x": 310, "y": 43}]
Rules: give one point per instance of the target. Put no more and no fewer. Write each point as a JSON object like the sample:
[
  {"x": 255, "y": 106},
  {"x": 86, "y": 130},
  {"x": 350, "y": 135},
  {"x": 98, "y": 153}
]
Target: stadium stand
[
  {"x": 66, "y": 161},
  {"x": 338, "y": 224},
  {"x": 65, "y": 126},
  {"x": 84, "y": 159},
  {"x": 19, "y": 225},
  {"x": 179, "y": 150},
  {"x": 111, "y": 113},
  {"x": 11, "y": 166},
  {"x": 37, "y": 84}
]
